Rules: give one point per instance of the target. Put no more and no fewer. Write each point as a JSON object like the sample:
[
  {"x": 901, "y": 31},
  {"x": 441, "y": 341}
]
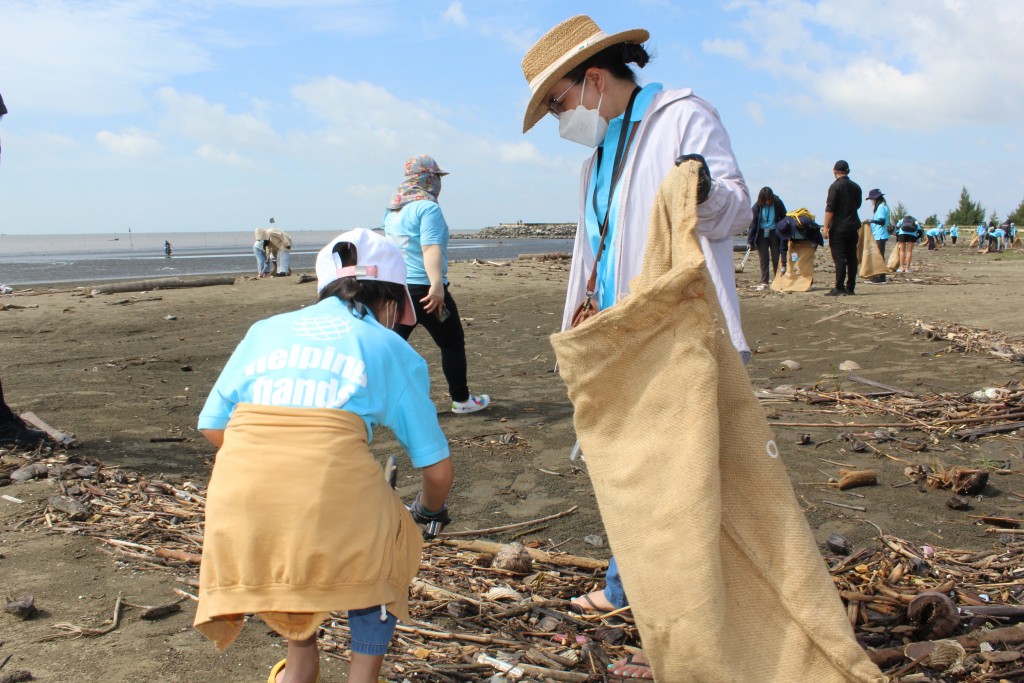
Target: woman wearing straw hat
[{"x": 581, "y": 76}]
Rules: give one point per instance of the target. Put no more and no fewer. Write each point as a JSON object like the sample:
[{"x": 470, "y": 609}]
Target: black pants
[
  {"x": 6, "y": 414},
  {"x": 766, "y": 245},
  {"x": 953, "y": 237},
  {"x": 448, "y": 336},
  {"x": 843, "y": 244},
  {"x": 881, "y": 248}
]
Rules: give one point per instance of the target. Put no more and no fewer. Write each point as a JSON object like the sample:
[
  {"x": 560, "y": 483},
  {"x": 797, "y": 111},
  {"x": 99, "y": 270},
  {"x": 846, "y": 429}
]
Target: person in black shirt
[{"x": 842, "y": 227}]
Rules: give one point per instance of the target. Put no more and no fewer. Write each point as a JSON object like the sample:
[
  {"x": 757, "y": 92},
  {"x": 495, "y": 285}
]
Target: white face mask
[{"x": 583, "y": 125}]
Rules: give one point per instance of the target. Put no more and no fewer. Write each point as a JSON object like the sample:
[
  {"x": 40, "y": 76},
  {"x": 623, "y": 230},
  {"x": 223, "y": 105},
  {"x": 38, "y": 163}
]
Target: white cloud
[
  {"x": 905, "y": 63},
  {"x": 91, "y": 58},
  {"x": 755, "y": 112},
  {"x": 211, "y": 124},
  {"x": 456, "y": 15},
  {"x": 131, "y": 143},
  {"x": 221, "y": 156},
  {"x": 736, "y": 49}
]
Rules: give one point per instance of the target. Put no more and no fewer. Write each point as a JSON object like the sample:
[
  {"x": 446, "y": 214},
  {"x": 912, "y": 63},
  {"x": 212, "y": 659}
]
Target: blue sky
[{"x": 215, "y": 115}]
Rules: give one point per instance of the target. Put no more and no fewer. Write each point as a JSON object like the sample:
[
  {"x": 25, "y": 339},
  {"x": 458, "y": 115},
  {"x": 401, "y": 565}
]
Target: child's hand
[{"x": 433, "y": 522}]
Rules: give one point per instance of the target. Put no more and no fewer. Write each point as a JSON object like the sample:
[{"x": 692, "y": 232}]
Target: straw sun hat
[{"x": 561, "y": 50}]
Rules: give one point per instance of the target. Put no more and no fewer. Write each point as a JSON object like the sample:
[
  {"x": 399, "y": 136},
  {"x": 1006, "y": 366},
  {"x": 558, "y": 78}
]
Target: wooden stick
[
  {"x": 858, "y": 508},
  {"x": 849, "y": 479},
  {"x": 162, "y": 283},
  {"x": 558, "y": 559},
  {"x": 508, "y": 527},
  {"x": 879, "y": 385},
  {"x": 55, "y": 434}
]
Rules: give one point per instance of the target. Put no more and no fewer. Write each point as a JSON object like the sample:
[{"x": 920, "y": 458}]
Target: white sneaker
[
  {"x": 472, "y": 404},
  {"x": 899, "y": 270}
]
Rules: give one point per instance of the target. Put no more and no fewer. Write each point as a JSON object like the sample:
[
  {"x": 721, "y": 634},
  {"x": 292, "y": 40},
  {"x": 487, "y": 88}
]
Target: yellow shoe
[
  {"x": 276, "y": 670},
  {"x": 279, "y": 667}
]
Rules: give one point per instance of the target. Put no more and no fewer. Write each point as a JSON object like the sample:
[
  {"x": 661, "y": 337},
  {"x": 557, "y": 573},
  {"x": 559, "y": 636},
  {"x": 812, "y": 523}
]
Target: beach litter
[{"x": 467, "y": 610}]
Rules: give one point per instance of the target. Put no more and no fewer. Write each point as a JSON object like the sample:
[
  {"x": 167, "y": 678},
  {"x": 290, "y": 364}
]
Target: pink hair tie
[{"x": 357, "y": 271}]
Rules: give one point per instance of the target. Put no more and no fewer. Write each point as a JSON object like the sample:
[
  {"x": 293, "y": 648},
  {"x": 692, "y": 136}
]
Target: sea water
[{"x": 51, "y": 259}]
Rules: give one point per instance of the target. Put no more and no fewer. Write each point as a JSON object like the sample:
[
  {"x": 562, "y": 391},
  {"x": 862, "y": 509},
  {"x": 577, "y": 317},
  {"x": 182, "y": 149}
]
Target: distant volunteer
[
  {"x": 582, "y": 77},
  {"x": 413, "y": 221},
  {"x": 954, "y": 232},
  {"x": 300, "y": 521},
  {"x": 765, "y": 213},
  {"x": 879, "y": 224},
  {"x": 908, "y": 232},
  {"x": 280, "y": 247}
]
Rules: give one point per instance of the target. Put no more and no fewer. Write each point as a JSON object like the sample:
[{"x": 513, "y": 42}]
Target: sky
[{"x": 210, "y": 115}]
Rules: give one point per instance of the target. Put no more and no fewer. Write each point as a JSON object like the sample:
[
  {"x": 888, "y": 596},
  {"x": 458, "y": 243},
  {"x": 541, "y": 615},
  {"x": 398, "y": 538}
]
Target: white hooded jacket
[{"x": 677, "y": 122}]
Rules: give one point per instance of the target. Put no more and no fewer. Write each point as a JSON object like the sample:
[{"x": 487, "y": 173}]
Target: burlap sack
[
  {"x": 721, "y": 569},
  {"x": 872, "y": 262},
  {"x": 975, "y": 241},
  {"x": 799, "y": 275},
  {"x": 894, "y": 258}
]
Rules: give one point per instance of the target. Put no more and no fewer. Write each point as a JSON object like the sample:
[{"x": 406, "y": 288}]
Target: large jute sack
[
  {"x": 894, "y": 258},
  {"x": 975, "y": 241},
  {"x": 872, "y": 262},
  {"x": 799, "y": 275},
  {"x": 722, "y": 572}
]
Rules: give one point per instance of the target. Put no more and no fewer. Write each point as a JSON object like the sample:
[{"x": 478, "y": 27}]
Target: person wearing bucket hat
[
  {"x": 299, "y": 520},
  {"x": 842, "y": 228},
  {"x": 582, "y": 76},
  {"x": 879, "y": 225},
  {"x": 414, "y": 222}
]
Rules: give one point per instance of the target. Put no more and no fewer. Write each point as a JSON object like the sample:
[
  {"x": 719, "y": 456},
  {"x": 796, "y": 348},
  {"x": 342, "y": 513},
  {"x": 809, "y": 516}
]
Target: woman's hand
[{"x": 434, "y": 299}]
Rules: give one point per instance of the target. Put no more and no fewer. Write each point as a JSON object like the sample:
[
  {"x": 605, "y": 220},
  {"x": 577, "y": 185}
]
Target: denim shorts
[{"x": 370, "y": 635}]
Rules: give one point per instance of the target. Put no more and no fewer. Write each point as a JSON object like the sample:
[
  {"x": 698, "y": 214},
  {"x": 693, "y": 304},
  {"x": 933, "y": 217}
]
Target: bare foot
[
  {"x": 593, "y": 602},
  {"x": 633, "y": 666}
]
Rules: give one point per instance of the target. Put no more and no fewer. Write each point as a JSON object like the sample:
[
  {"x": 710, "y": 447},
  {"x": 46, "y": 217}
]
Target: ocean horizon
[{"x": 95, "y": 257}]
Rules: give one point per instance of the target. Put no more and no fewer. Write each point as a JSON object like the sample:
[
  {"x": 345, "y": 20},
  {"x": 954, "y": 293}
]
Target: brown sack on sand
[
  {"x": 727, "y": 586},
  {"x": 872, "y": 262},
  {"x": 975, "y": 242},
  {"x": 799, "y": 276},
  {"x": 894, "y": 258}
]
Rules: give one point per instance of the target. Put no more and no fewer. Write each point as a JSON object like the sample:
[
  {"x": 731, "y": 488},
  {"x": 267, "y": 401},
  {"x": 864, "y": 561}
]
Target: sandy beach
[{"x": 127, "y": 374}]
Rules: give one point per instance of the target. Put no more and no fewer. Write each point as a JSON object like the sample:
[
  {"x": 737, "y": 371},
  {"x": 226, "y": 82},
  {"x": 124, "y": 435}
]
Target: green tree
[
  {"x": 898, "y": 212},
  {"x": 967, "y": 212},
  {"x": 993, "y": 218},
  {"x": 1017, "y": 217},
  {"x": 932, "y": 220}
]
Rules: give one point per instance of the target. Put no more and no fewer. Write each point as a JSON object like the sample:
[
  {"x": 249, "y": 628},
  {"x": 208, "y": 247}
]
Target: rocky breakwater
[{"x": 509, "y": 231}]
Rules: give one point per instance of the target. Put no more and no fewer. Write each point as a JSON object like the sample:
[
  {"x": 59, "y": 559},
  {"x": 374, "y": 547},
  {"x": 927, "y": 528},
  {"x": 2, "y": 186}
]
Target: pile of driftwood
[
  {"x": 990, "y": 410},
  {"x": 481, "y": 608},
  {"x": 965, "y": 339},
  {"x": 948, "y": 615}
]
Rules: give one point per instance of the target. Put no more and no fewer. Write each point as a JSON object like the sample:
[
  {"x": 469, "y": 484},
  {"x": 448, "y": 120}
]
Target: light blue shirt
[
  {"x": 414, "y": 226},
  {"x": 934, "y": 232},
  {"x": 954, "y": 231},
  {"x": 601, "y": 181},
  {"x": 881, "y": 232},
  {"x": 767, "y": 221},
  {"x": 326, "y": 356}
]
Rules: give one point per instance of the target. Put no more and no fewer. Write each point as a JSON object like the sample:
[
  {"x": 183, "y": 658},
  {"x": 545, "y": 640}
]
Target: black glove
[
  {"x": 703, "y": 175},
  {"x": 433, "y": 522}
]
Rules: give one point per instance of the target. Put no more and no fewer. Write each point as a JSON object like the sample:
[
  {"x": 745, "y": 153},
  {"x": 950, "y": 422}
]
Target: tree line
[{"x": 967, "y": 212}]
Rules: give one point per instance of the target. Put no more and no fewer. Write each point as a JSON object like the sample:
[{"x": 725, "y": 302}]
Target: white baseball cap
[{"x": 376, "y": 259}]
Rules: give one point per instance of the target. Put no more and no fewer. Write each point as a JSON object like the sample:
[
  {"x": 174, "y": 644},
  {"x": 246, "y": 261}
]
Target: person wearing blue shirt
[
  {"x": 414, "y": 222},
  {"x": 954, "y": 232},
  {"x": 908, "y": 232},
  {"x": 765, "y": 213},
  {"x": 879, "y": 225},
  {"x": 982, "y": 234},
  {"x": 934, "y": 237},
  {"x": 299, "y": 520}
]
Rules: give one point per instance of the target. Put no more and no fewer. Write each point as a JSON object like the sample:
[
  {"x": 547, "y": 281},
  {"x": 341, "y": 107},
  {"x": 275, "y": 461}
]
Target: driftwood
[
  {"x": 1011, "y": 635},
  {"x": 849, "y": 479},
  {"x": 63, "y": 438},
  {"x": 162, "y": 283},
  {"x": 550, "y": 256},
  {"x": 559, "y": 559},
  {"x": 878, "y": 385}
]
